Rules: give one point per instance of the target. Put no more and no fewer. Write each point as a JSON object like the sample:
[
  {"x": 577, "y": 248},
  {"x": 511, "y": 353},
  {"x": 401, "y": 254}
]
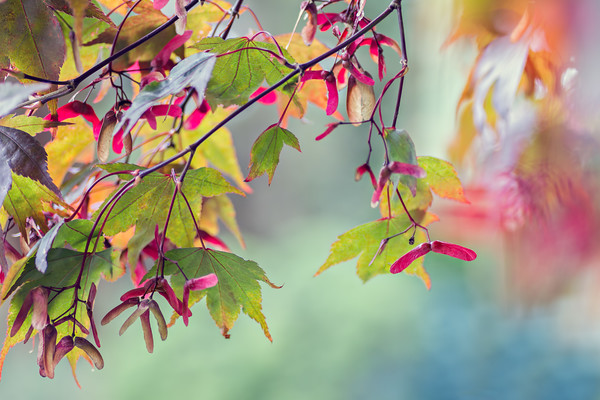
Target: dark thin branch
[
  {"x": 300, "y": 68},
  {"x": 71, "y": 85},
  {"x": 405, "y": 60},
  {"x": 235, "y": 11}
]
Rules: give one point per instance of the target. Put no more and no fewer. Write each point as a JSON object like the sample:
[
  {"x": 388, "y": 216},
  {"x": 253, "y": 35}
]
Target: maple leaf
[
  {"x": 241, "y": 68},
  {"x": 364, "y": 242},
  {"x": 442, "y": 178},
  {"x": 146, "y": 204},
  {"x": 29, "y": 124},
  {"x": 25, "y": 156},
  {"x": 402, "y": 149},
  {"x": 32, "y": 38},
  {"x": 237, "y": 288},
  {"x": 134, "y": 28},
  {"x": 29, "y": 198},
  {"x": 264, "y": 156}
]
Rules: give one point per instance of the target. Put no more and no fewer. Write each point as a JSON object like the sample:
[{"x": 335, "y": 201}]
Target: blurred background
[{"x": 517, "y": 323}]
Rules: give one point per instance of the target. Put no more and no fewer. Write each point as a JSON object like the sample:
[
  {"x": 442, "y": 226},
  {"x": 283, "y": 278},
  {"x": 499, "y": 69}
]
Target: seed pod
[
  {"x": 143, "y": 306},
  {"x": 48, "y": 349},
  {"x": 147, "y": 329},
  {"x": 160, "y": 319},
  {"x": 115, "y": 312},
  {"x": 127, "y": 143},
  {"x": 360, "y": 100},
  {"x": 106, "y": 133},
  {"x": 90, "y": 350},
  {"x": 39, "y": 316},
  {"x": 63, "y": 346}
]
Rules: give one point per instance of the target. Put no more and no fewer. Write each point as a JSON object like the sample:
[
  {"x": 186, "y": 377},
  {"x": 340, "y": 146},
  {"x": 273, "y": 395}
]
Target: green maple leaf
[
  {"x": 29, "y": 198},
  {"x": 237, "y": 75},
  {"x": 29, "y": 124},
  {"x": 402, "y": 149},
  {"x": 146, "y": 203},
  {"x": 421, "y": 201},
  {"x": 442, "y": 179},
  {"x": 238, "y": 287},
  {"x": 32, "y": 38},
  {"x": 264, "y": 156},
  {"x": 364, "y": 241},
  {"x": 63, "y": 269},
  {"x": 75, "y": 233}
]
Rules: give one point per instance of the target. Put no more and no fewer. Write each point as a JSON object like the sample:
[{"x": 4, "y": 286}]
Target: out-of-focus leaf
[
  {"x": 497, "y": 72},
  {"x": 402, "y": 149},
  {"x": 360, "y": 101},
  {"x": 364, "y": 241},
  {"x": 194, "y": 71},
  {"x": 442, "y": 179},
  {"x": 237, "y": 75},
  {"x": 63, "y": 268},
  {"x": 200, "y": 19},
  {"x": 32, "y": 37},
  {"x": 134, "y": 28},
  {"x": 85, "y": 55},
  {"x": 299, "y": 50},
  {"x": 12, "y": 94},
  {"x": 91, "y": 10},
  {"x": 465, "y": 134},
  {"x": 25, "y": 156},
  {"x": 219, "y": 207},
  {"x": 218, "y": 150},
  {"x": 264, "y": 156},
  {"x": 30, "y": 124},
  {"x": 238, "y": 286},
  {"x": 72, "y": 144}
]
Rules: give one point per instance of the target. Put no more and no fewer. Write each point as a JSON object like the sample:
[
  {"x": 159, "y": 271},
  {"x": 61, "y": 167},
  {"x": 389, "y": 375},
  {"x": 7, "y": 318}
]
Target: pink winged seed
[
  {"x": 407, "y": 259},
  {"x": 332, "y": 95},
  {"x": 407, "y": 169},
  {"x": 453, "y": 250}
]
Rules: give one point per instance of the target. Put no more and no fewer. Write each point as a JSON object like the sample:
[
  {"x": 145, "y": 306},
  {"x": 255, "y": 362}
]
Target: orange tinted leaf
[{"x": 442, "y": 178}]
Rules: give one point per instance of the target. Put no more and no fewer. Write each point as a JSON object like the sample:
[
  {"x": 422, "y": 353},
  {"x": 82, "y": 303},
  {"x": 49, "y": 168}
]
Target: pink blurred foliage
[{"x": 534, "y": 152}]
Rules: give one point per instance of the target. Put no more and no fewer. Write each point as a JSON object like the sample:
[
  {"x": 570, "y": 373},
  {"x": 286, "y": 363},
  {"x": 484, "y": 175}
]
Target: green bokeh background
[{"x": 335, "y": 337}]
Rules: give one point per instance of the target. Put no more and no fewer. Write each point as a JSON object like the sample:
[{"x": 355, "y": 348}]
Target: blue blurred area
[{"x": 335, "y": 338}]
